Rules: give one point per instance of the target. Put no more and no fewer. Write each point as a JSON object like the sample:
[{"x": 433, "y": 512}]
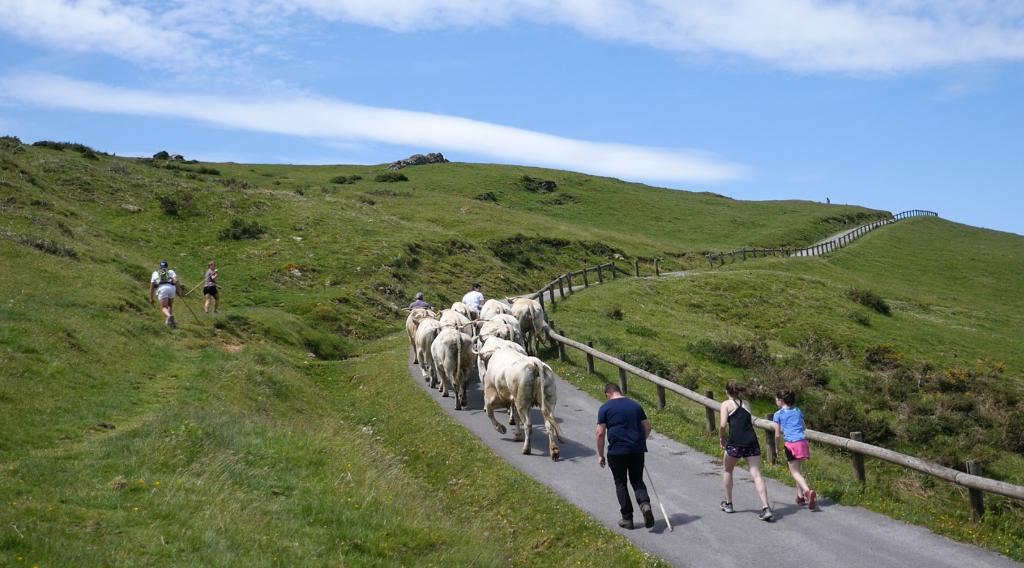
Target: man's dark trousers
[{"x": 633, "y": 466}]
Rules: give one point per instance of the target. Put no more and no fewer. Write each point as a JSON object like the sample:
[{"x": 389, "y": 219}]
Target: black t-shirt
[{"x": 623, "y": 418}]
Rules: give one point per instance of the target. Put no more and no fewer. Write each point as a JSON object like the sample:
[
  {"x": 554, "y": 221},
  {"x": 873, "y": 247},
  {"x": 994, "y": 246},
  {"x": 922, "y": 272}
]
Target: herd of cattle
[{"x": 498, "y": 342}]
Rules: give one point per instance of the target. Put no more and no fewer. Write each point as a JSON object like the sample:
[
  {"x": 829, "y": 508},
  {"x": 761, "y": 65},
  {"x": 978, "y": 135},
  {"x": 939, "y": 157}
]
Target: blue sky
[{"x": 895, "y": 104}]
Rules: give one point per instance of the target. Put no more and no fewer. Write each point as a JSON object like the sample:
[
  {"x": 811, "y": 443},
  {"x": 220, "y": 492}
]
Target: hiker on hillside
[
  {"x": 740, "y": 443},
  {"x": 210, "y": 289},
  {"x": 474, "y": 298},
  {"x": 627, "y": 428},
  {"x": 164, "y": 283},
  {"x": 789, "y": 422},
  {"x": 420, "y": 303}
]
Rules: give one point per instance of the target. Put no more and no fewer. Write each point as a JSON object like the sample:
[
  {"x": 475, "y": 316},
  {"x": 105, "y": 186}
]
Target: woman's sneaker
[
  {"x": 766, "y": 514},
  {"x": 812, "y": 499},
  {"x": 727, "y": 507}
]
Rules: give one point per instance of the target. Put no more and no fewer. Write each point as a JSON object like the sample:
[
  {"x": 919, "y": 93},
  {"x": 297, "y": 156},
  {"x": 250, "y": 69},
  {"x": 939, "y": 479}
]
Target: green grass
[
  {"x": 285, "y": 430},
  {"x": 953, "y": 393}
]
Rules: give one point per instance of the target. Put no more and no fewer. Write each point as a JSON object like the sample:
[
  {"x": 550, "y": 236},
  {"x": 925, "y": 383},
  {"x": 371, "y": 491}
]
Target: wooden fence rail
[
  {"x": 816, "y": 249},
  {"x": 855, "y": 447}
]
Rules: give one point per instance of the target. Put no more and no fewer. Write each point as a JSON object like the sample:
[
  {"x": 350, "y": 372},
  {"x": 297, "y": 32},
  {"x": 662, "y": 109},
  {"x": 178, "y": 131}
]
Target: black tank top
[{"x": 741, "y": 427}]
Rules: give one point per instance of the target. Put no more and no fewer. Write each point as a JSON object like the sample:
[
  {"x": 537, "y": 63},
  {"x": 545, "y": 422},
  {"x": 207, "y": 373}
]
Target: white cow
[
  {"x": 454, "y": 318},
  {"x": 453, "y": 360},
  {"x": 494, "y": 307},
  {"x": 500, "y": 329},
  {"x": 425, "y": 334},
  {"x": 520, "y": 382},
  {"x": 531, "y": 321},
  {"x": 416, "y": 315},
  {"x": 490, "y": 347},
  {"x": 465, "y": 310}
]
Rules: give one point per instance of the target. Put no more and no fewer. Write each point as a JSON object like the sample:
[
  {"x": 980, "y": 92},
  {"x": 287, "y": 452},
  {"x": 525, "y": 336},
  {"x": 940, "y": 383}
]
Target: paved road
[{"x": 689, "y": 484}]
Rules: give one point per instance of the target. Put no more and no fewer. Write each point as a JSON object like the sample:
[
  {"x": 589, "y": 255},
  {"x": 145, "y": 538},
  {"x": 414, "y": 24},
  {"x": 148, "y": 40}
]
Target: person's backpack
[{"x": 164, "y": 276}]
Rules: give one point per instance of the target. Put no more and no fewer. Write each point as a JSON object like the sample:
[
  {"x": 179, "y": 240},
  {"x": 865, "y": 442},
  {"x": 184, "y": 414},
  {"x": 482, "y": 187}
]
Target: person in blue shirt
[
  {"x": 789, "y": 423},
  {"x": 625, "y": 425}
]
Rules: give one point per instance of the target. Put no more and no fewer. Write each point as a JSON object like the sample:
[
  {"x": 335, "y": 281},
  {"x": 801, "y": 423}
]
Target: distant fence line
[
  {"x": 817, "y": 249},
  {"x": 972, "y": 479},
  {"x": 564, "y": 283}
]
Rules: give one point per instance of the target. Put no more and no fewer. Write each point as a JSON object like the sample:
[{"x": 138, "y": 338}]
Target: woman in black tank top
[{"x": 740, "y": 443}]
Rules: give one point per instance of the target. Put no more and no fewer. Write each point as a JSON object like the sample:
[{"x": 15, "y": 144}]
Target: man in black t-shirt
[{"x": 623, "y": 421}]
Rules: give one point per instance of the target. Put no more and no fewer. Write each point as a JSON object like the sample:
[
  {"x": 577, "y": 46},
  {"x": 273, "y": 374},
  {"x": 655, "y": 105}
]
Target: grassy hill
[
  {"x": 939, "y": 376},
  {"x": 284, "y": 430}
]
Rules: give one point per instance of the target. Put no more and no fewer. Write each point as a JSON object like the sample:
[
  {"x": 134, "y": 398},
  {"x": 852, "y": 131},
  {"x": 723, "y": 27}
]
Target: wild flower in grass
[{"x": 156, "y": 483}]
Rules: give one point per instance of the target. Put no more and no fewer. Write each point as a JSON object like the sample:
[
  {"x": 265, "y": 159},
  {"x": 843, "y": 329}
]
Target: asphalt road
[{"x": 689, "y": 484}]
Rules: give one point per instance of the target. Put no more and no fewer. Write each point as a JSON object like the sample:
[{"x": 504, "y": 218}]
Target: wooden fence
[
  {"x": 564, "y": 283},
  {"x": 972, "y": 480},
  {"x": 817, "y": 249}
]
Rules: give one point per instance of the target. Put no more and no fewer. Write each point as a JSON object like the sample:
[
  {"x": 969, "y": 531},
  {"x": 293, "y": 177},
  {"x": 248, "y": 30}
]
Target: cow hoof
[
  {"x": 444, "y": 395},
  {"x": 555, "y": 454},
  {"x": 526, "y": 451},
  {"x": 501, "y": 429}
]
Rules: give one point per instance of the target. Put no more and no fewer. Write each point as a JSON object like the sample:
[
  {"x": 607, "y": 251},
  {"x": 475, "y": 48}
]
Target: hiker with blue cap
[{"x": 164, "y": 284}]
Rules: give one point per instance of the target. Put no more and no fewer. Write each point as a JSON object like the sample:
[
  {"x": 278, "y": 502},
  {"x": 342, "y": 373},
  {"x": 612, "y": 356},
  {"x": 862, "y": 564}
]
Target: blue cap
[{"x": 163, "y": 264}]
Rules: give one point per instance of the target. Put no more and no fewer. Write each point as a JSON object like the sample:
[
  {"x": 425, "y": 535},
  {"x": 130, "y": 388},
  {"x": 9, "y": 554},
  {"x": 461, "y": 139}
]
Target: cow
[
  {"x": 454, "y": 318},
  {"x": 452, "y": 351},
  {"x": 494, "y": 307},
  {"x": 425, "y": 334},
  {"x": 500, "y": 329},
  {"x": 520, "y": 382},
  {"x": 490, "y": 346},
  {"x": 465, "y": 310},
  {"x": 531, "y": 322},
  {"x": 416, "y": 315}
]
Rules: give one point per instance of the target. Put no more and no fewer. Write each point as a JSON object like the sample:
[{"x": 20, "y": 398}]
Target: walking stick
[
  {"x": 192, "y": 290},
  {"x": 190, "y": 310},
  {"x": 660, "y": 505}
]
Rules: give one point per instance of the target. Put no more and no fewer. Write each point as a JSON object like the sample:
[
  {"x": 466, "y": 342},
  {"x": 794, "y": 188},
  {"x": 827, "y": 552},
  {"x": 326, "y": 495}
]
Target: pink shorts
[{"x": 796, "y": 451}]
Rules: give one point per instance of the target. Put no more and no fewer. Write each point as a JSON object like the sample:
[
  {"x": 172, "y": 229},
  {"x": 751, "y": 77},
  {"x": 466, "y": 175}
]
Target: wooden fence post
[
  {"x": 636, "y": 268},
  {"x": 976, "y": 496},
  {"x": 551, "y": 293},
  {"x": 600, "y": 274},
  {"x": 744, "y": 253},
  {"x": 622, "y": 380},
  {"x": 586, "y": 281},
  {"x": 568, "y": 281},
  {"x": 561, "y": 290},
  {"x": 661, "y": 397},
  {"x": 590, "y": 358},
  {"x": 615, "y": 270},
  {"x": 710, "y": 414},
  {"x": 769, "y": 438},
  {"x": 540, "y": 298},
  {"x": 657, "y": 268},
  {"x": 858, "y": 459}
]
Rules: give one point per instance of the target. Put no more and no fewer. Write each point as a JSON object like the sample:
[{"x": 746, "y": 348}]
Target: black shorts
[
  {"x": 743, "y": 451},
  {"x": 209, "y": 290}
]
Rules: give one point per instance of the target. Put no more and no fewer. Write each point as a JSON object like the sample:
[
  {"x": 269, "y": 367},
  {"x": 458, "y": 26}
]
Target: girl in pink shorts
[{"x": 789, "y": 424}]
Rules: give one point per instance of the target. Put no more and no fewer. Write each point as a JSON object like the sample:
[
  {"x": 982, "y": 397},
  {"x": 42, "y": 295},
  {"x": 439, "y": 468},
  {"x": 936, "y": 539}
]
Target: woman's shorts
[
  {"x": 209, "y": 290},
  {"x": 796, "y": 451},
  {"x": 743, "y": 451},
  {"x": 166, "y": 291}
]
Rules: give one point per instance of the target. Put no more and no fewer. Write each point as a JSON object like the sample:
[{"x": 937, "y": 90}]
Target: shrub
[
  {"x": 341, "y": 180},
  {"x": 44, "y": 245},
  {"x": 161, "y": 155},
  {"x": 747, "y": 355},
  {"x": 881, "y": 357},
  {"x": 641, "y": 331},
  {"x": 90, "y": 155},
  {"x": 535, "y": 185},
  {"x": 242, "y": 229},
  {"x": 487, "y": 196},
  {"x": 232, "y": 183},
  {"x": 869, "y": 299},
  {"x": 860, "y": 318},
  {"x": 615, "y": 313},
  {"x": 839, "y": 416},
  {"x": 61, "y": 146},
  {"x": 208, "y": 171},
  {"x": 355, "y": 177},
  {"x": 176, "y": 203},
  {"x": 10, "y": 142},
  {"x": 1013, "y": 432},
  {"x": 390, "y": 177}
]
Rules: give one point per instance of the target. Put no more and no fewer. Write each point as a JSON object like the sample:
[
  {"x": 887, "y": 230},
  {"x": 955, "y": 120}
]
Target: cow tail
[{"x": 549, "y": 418}]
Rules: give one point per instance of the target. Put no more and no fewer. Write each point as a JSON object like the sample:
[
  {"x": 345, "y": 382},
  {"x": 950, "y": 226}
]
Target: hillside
[
  {"x": 940, "y": 376},
  {"x": 284, "y": 429}
]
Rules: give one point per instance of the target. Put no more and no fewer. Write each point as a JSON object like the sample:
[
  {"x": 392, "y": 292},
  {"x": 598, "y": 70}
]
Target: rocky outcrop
[{"x": 418, "y": 160}]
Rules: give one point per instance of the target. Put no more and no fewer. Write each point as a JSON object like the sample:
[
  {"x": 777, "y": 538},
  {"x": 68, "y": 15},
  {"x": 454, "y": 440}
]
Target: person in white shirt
[
  {"x": 164, "y": 284},
  {"x": 474, "y": 298}
]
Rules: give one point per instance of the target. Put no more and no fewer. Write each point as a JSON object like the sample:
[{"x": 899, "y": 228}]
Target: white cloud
[
  {"x": 847, "y": 36},
  {"x": 327, "y": 119}
]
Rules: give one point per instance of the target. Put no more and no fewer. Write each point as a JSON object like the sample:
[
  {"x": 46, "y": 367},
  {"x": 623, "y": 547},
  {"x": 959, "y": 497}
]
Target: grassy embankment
[
  {"x": 940, "y": 377},
  {"x": 285, "y": 430}
]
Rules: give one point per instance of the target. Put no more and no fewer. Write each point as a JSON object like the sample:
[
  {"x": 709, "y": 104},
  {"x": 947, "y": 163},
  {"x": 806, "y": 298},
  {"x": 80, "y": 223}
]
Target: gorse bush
[
  {"x": 242, "y": 229},
  {"x": 390, "y": 177},
  {"x": 869, "y": 299},
  {"x": 752, "y": 353},
  {"x": 177, "y": 203},
  {"x": 342, "y": 180}
]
